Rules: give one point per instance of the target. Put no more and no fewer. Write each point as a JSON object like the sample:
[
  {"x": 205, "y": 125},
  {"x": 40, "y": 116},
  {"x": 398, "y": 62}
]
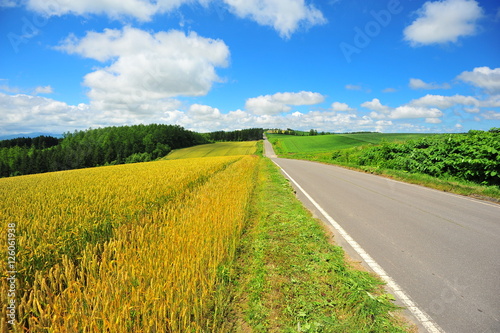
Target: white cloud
[
  {"x": 204, "y": 112},
  {"x": 285, "y": 16},
  {"x": 375, "y": 105},
  {"x": 337, "y": 106},
  {"x": 411, "y": 112},
  {"x": 300, "y": 98},
  {"x": 265, "y": 105},
  {"x": 491, "y": 102},
  {"x": 443, "y": 21},
  {"x": 483, "y": 77},
  {"x": 279, "y": 102},
  {"x": 419, "y": 84},
  {"x": 474, "y": 109},
  {"x": 491, "y": 115},
  {"x": 24, "y": 114},
  {"x": 146, "y": 67},
  {"x": 444, "y": 102},
  {"x": 389, "y": 90},
  {"x": 353, "y": 87},
  {"x": 116, "y": 9},
  {"x": 43, "y": 90},
  {"x": 380, "y": 111},
  {"x": 433, "y": 120}
]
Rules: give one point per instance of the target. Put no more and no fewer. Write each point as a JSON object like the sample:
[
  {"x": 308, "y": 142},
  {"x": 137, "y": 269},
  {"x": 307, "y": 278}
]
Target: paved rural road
[{"x": 443, "y": 250}]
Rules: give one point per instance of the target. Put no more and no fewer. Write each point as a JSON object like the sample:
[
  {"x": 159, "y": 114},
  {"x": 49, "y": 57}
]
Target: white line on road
[{"x": 421, "y": 316}]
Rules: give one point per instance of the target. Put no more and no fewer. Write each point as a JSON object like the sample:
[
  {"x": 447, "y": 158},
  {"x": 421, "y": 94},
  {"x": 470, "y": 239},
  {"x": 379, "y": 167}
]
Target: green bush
[{"x": 474, "y": 156}]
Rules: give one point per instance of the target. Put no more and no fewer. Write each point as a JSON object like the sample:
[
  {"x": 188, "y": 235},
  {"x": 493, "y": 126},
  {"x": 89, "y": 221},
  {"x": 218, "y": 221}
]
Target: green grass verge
[
  {"x": 215, "y": 149},
  {"x": 290, "y": 278}
]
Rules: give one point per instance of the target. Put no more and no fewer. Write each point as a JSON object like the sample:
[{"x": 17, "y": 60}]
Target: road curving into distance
[{"x": 443, "y": 250}]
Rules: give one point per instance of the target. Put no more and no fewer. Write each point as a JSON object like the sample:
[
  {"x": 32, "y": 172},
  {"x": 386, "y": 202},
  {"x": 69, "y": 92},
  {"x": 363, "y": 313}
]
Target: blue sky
[{"x": 333, "y": 65}]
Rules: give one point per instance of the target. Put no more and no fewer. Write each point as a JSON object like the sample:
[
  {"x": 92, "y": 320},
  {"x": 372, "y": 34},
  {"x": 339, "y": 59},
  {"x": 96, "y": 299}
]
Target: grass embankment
[
  {"x": 214, "y": 149},
  {"x": 392, "y": 155},
  {"x": 290, "y": 278}
]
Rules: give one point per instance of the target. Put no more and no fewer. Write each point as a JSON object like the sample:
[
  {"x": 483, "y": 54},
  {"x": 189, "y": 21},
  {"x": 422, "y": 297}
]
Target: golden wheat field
[{"x": 128, "y": 248}]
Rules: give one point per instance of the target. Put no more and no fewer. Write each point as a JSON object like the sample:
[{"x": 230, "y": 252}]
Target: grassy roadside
[{"x": 290, "y": 278}]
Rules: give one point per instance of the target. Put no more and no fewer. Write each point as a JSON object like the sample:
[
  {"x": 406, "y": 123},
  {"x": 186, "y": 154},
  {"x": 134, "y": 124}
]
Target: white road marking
[{"x": 421, "y": 316}]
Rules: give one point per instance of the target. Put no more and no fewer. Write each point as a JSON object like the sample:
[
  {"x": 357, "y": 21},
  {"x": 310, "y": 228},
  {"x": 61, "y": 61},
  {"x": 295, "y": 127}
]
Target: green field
[
  {"x": 215, "y": 149},
  {"x": 464, "y": 164},
  {"x": 320, "y": 143}
]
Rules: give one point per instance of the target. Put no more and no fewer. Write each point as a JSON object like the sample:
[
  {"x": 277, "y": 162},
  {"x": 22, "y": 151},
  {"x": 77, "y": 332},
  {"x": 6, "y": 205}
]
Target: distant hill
[{"x": 29, "y": 135}]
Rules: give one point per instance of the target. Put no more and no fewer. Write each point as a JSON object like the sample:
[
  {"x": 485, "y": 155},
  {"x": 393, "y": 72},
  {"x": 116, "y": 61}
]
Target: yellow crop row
[{"x": 133, "y": 248}]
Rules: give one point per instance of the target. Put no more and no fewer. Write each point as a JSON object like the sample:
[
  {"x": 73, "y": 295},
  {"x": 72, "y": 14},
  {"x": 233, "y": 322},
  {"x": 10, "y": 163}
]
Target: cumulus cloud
[
  {"x": 380, "y": 111},
  {"x": 459, "y": 103},
  {"x": 204, "y": 112},
  {"x": 375, "y": 105},
  {"x": 444, "y": 102},
  {"x": 411, "y": 112},
  {"x": 43, "y": 90},
  {"x": 285, "y": 16},
  {"x": 147, "y": 66},
  {"x": 483, "y": 77},
  {"x": 443, "y": 21},
  {"x": 280, "y": 102},
  {"x": 419, "y": 84},
  {"x": 337, "y": 106},
  {"x": 116, "y": 9},
  {"x": 25, "y": 113}
]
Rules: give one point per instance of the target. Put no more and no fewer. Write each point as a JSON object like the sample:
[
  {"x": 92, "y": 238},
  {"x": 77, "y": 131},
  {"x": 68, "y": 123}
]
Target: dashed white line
[{"x": 421, "y": 316}]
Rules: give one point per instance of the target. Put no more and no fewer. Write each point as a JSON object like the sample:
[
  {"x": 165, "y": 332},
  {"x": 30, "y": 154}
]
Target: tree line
[
  {"x": 290, "y": 131},
  {"x": 104, "y": 146},
  {"x": 39, "y": 142},
  {"x": 250, "y": 134}
]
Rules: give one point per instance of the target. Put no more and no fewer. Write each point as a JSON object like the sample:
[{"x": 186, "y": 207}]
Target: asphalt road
[{"x": 443, "y": 250}]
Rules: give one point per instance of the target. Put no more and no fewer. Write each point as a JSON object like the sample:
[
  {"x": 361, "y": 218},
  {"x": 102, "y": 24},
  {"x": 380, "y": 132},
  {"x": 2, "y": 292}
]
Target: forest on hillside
[{"x": 105, "y": 146}]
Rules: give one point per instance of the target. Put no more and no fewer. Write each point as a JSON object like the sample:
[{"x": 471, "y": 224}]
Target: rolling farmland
[
  {"x": 176, "y": 246},
  {"x": 136, "y": 247},
  {"x": 290, "y": 144},
  {"x": 214, "y": 149}
]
